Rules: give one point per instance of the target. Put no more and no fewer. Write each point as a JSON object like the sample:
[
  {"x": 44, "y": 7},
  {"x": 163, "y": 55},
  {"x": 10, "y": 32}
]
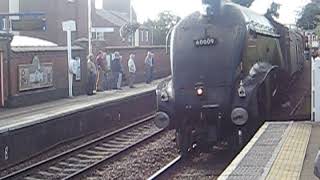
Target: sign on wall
[
  {"x": 28, "y": 24},
  {"x": 35, "y": 75}
]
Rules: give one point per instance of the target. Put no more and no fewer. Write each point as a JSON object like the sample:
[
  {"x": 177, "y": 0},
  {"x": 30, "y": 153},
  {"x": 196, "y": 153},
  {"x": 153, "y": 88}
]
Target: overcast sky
[{"x": 150, "y": 8}]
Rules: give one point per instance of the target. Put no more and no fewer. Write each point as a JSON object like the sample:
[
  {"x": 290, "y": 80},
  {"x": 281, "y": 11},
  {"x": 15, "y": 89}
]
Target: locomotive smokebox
[{"x": 212, "y": 7}]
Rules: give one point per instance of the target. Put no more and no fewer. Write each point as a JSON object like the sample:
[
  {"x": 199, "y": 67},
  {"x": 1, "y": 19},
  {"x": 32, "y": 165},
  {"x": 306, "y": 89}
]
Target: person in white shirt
[
  {"x": 132, "y": 70},
  {"x": 317, "y": 55}
]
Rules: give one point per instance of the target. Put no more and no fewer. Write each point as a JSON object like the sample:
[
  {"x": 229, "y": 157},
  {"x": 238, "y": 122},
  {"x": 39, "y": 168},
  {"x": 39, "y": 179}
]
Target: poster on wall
[{"x": 35, "y": 75}]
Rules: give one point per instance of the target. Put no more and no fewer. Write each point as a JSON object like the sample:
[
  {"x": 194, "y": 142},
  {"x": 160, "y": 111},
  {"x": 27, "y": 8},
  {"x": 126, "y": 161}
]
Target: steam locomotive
[{"x": 229, "y": 66}]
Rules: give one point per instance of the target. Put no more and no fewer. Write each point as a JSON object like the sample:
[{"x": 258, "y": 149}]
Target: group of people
[{"x": 104, "y": 75}]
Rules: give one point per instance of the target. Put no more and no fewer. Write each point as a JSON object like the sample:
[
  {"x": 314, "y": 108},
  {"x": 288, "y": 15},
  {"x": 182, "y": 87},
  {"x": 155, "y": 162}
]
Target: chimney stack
[{"x": 213, "y": 7}]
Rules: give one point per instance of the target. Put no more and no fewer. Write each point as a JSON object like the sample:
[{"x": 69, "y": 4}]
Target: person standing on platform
[
  {"x": 148, "y": 63},
  {"x": 101, "y": 71},
  {"x": 116, "y": 71},
  {"x": 121, "y": 75},
  {"x": 92, "y": 73},
  {"x": 152, "y": 67},
  {"x": 132, "y": 70},
  {"x": 317, "y": 55},
  {"x": 106, "y": 72}
]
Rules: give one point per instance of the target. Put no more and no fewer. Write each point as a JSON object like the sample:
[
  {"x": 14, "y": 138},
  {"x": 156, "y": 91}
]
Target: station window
[
  {"x": 3, "y": 24},
  {"x": 98, "y": 36}
]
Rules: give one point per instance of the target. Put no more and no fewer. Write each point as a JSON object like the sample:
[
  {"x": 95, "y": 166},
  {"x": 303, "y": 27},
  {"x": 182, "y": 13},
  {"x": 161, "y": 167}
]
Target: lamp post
[
  {"x": 131, "y": 22},
  {"x": 89, "y": 27},
  {"x": 69, "y": 26}
]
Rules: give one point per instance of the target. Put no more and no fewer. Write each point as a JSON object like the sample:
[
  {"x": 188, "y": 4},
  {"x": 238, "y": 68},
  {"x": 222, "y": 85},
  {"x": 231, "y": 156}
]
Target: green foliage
[
  {"x": 317, "y": 30},
  {"x": 246, "y": 3},
  {"x": 309, "y": 17},
  {"x": 161, "y": 26}
]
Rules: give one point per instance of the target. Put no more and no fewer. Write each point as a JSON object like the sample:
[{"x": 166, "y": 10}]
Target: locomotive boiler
[{"x": 229, "y": 66}]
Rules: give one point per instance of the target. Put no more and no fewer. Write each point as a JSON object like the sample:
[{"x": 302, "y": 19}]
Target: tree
[
  {"x": 246, "y": 3},
  {"x": 161, "y": 26},
  {"x": 309, "y": 17}
]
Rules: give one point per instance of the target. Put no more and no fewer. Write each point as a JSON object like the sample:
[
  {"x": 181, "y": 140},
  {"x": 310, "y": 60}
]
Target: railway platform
[
  {"x": 28, "y": 131},
  {"x": 279, "y": 150}
]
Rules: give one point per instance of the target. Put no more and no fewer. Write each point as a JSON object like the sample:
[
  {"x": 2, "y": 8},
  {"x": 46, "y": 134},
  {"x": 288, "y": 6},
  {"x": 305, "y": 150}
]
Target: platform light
[{"x": 200, "y": 91}]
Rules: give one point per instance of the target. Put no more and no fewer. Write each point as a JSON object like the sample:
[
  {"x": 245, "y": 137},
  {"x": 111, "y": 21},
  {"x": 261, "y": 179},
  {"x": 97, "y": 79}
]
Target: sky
[{"x": 151, "y": 8}]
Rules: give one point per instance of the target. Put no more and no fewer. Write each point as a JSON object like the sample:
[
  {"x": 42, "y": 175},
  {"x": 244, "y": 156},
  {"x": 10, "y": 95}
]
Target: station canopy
[{"x": 26, "y": 41}]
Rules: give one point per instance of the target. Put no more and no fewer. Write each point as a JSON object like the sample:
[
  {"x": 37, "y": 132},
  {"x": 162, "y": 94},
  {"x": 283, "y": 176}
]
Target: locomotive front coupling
[
  {"x": 162, "y": 120},
  {"x": 165, "y": 104}
]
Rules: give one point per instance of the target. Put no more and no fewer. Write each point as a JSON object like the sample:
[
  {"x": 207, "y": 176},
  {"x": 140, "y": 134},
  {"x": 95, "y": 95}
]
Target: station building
[
  {"x": 106, "y": 22},
  {"x": 34, "y": 63}
]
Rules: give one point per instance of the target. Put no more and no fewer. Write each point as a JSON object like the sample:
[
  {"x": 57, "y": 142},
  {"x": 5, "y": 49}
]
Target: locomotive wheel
[{"x": 183, "y": 141}]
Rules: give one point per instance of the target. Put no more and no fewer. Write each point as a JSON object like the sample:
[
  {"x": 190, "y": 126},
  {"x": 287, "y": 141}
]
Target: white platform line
[{"x": 234, "y": 164}]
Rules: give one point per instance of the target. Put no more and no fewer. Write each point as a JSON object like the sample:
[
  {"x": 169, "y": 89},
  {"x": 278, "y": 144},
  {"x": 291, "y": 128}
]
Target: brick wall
[
  {"x": 60, "y": 78},
  {"x": 4, "y": 46},
  {"x": 162, "y": 60},
  {"x": 56, "y": 12},
  {"x": 60, "y": 81},
  {"x": 118, "y": 5}
]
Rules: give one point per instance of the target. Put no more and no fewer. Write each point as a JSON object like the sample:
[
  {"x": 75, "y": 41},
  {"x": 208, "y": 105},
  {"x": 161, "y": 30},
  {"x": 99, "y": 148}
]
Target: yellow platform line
[
  {"x": 234, "y": 164},
  {"x": 289, "y": 161}
]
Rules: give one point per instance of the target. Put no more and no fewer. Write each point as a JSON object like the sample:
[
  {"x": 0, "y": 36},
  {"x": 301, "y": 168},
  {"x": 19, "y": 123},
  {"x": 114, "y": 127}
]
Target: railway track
[
  {"x": 79, "y": 160},
  {"x": 166, "y": 168}
]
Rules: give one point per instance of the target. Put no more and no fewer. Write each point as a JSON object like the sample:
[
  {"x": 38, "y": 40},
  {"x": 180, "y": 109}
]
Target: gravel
[
  {"x": 141, "y": 162},
  {"x": 204, "y": 166}
]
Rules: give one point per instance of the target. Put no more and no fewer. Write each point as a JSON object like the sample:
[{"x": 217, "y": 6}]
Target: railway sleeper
[{"x": 89, "y": 156}]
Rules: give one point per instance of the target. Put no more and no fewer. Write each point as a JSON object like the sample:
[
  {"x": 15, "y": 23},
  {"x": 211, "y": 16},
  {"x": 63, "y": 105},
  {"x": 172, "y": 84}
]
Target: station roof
[
  {"x": 28, "y": 44},
  {"x": 116, "y": 18},
  {"x": 26, "y": 41}
]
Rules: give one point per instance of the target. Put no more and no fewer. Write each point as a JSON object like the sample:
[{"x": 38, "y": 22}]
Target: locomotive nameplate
[{"x": 205, "y": 42}]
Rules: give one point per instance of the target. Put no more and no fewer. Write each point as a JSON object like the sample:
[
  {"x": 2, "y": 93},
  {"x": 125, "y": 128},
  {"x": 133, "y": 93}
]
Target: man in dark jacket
[
  {"x": 101, "y": 68},
  {"x": 149, "y": 67},
  {"x": 116, "y": 71}
]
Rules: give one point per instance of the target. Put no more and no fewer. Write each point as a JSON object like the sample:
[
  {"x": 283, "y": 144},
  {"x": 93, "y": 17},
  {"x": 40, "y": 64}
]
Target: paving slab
[
  {"x": 289, "y": 161},
  {"x": 312, "y": 150},
  {"x": 279, "y": 150}
]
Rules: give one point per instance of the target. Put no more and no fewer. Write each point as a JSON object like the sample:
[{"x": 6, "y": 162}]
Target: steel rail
[
  {"x": 82, "y": 147},
  {"x": 165, "y": 168}
]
